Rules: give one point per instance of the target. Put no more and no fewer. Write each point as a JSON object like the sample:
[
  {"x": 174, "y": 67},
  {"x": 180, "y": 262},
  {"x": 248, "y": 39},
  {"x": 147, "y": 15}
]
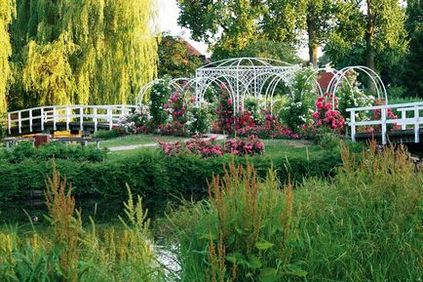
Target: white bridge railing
[
  {"x": 41, "y": 116},
  {"x": 409, "y": 119}
]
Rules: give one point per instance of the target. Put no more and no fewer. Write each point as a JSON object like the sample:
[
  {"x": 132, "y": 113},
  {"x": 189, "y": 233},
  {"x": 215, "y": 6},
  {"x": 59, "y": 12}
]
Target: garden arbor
[
  {"x": 244, "y": 77},
  {"x": 259, "y": 78},
  {"x": 241, "y": 77}
]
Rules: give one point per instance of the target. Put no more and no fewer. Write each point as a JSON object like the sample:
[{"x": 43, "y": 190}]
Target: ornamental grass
[{"x": 363, "y": 225}]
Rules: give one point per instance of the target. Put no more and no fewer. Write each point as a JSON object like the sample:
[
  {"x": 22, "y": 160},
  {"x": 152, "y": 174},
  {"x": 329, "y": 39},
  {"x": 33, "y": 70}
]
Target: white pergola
[
  {"x": 243, "y": 77},
  {"x": 259, "y": 78}
]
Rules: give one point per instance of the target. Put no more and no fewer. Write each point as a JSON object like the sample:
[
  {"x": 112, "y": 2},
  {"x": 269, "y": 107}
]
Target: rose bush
[
  {"x": 326, "y": 114},
  {"x": 209, "y": 147}
]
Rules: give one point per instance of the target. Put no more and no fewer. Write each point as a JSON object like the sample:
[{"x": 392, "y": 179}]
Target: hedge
[{"x": 151, "y": 173}]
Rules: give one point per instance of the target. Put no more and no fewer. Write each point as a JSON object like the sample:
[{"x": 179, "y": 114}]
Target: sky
[{"x": 168, "y": 21}]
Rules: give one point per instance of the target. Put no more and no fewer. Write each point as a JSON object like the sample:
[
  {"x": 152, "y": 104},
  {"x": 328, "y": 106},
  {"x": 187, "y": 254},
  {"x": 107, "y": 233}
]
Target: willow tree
[
  {"x": 83, "y": 51},
  {"x": 6, "y": 12}
]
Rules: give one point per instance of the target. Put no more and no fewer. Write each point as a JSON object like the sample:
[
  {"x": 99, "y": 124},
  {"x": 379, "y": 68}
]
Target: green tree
[
  {"x": 413, "y": 75},
  {"x": 7, "y": 10},
  {"x": 369, "y": 32},
  {"x": 241, "y": 23},
  {"x": 82, "y": 51},
  {"x": 318, "y": 14},
  {"x": 228, "y": 25},
  {"x": 175, "y": 58},
  {"x": 262, "y": 48}
]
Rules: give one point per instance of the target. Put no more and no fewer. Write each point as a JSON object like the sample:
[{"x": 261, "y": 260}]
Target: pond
[{"x": 101, "y": 210}]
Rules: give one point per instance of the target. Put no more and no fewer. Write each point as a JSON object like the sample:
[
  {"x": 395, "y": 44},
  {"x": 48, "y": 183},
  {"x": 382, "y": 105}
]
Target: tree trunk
[
  {"x": 370, "y": 51},
  {"x": 313, "y": 42}
]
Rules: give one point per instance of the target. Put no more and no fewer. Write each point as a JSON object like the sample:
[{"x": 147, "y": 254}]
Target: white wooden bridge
[
  {"x": 409, "y": 121},
  {"x": 69, "y": 117},
  {"x": 93, "y": 118}
]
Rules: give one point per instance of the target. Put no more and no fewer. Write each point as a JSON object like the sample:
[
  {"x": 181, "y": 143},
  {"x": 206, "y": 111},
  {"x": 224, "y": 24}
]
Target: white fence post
[
  {"x": 81, "y": 118},
  {"x": 9, "y": 123},
  {"x": 403, "y": 117},
  {"x": 353, "y": 129},
  {"x": 110, "y": 118},
  {"x": 95, "y": 119},
  {"x": 383, "y": 117},
  {"x": 30, "y": 120},
  {"x": 416, "y": 124},
  {"x": 42, "y": 119},
  {"x": 54, "y": 119},
  {"x": 67, "y": 118},
  {"x": 20, "y": 122}
]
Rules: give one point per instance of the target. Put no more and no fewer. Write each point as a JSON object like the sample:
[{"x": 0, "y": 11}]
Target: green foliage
[
  {"x": 262, "y": 49},
  {"x": 149, "y": 172},
  {"x": 201, "y": 120},
  {"x": 350, "y": 95},
  {"x": 343, "y": 230},
  {"x": 300, "y": 104},
  {"x": 106, "y": 134},
  {"x": 371, "y": 35},
  {"x": 7, "y": 10},
  {"x": 160, "y": 93},
  {"x": 205, "y": 18},
  {"x": 77, "y": 153},
  {"x": 81, "y": 51},
  {"x": 175, "y": 58},
  {"x": 413, "y": 70}
]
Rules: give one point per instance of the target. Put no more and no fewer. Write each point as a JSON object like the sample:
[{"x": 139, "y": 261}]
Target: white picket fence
[
  {"x": 41, "y": 116},
  {"x": 409, "y": 119}
]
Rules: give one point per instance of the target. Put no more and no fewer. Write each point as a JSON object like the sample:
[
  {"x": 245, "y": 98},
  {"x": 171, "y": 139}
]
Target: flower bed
[{"x": 208, "y": 147}]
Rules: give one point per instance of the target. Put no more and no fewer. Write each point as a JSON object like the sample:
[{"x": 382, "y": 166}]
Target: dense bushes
[
  {"x": 365, "y": 225},
  {"x": 55, "y": 150},
  {"x": 150, "y": 172}
]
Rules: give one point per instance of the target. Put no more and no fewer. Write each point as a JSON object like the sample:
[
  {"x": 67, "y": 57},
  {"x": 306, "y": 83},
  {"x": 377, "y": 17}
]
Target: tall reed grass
[
  {"x": 364, "y": 225},
  {"x": 70, "y": 252}
]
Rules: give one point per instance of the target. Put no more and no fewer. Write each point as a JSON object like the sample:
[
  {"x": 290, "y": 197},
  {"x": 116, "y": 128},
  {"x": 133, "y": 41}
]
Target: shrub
[
  {"x": 138, "y": 121},
  {"x": 201, "y": 121},
  {"x": 299, "y": 106},
  {"x": 271, "y": 128},
  {"x": 151, "y": 173},
  {"x": 160, "y": 93},
  {"x": 56, "y": 150},
  {"x": 208, "y": 148},
  {"x": 108, "y": 134},
  {"x": 326, "y": 114}
]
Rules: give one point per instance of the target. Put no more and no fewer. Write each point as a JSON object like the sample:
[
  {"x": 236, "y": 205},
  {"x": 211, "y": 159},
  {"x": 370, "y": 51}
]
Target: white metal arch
[
  {"x": 375, "y": 78},
  {"x": 248, "y": 76}
]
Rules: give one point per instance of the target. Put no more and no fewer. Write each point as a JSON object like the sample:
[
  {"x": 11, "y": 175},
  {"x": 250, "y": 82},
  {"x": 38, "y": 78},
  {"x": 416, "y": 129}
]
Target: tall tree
[
  {"x": 413, "y": 74},
  {"x": 7, "y": 10},
  {"x": 82, "y": 51},
  {"x": 230, "y": 25},
  {"x": 318, "y": 14},
  {"x": 239, "y": 23},
  {"x": 367, "y": 31},
  {"x": 176, "y": 59}
]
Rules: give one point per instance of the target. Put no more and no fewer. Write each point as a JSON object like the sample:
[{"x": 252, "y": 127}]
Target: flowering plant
[
  {"x": 176, "y": 108},
  {"x": 376, "y": 115},
  {"x": 247, "y": 146},
  {"x": 271, "y": 128},
  {"x": 209, "y": 148},
  {"x": 326, "y": 114},
  {"x": 135, "y": 122}
]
